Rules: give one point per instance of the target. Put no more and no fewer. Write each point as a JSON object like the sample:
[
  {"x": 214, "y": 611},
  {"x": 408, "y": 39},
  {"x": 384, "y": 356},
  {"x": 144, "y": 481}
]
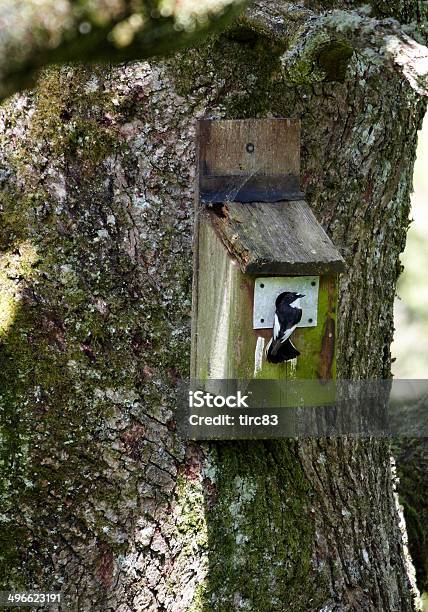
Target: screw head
[
  {"x": 313, "y": 283},
  {"x": 250, "y": 147},
  {"x": 262, "y": 285},
  {"x": 310, "y": 320}
]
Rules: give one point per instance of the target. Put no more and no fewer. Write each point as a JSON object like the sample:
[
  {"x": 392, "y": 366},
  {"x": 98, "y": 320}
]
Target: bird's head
[{"x": 288, "y": 297}]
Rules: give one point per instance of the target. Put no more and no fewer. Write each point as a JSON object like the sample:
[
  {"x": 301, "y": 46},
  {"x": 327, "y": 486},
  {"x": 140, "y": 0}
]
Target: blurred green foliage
[{"x": 410, "y": 347}]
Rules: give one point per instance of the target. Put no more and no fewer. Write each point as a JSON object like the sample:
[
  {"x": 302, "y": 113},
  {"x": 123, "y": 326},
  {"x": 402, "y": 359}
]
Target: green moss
[
  {"x": 247, "y": 91},
  {"x": 191, "y": 521},
  {"x": 199, "y": 599},
  {"x": 405, "y": 11},
  {"x": 76, "y": 124},
  {"x": 260, "y": 545},
  {"x": 333, "y": 58}
]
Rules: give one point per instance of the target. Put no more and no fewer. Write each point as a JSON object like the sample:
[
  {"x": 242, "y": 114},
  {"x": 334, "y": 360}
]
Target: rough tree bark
[{"x": 100, "y": 497}]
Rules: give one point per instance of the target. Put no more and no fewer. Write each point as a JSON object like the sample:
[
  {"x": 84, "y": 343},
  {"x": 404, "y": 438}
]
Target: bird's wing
[
  {"x": 276, "y": 327},
  {"x": 287, "y": 333},
  {"x": 294, "y": 316}
]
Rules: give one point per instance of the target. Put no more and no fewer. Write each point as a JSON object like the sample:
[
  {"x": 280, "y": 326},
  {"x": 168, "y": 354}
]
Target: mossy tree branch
[{"x": 34, "y": 34}]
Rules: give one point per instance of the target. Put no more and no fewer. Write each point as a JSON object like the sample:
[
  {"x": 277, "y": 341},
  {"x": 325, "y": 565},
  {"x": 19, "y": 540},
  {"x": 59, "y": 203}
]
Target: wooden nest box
[{"x": 255, "y": 237}]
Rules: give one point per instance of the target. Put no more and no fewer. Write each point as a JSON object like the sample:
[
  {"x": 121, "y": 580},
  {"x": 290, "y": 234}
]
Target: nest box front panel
[
  {"x": 256, "y": 237},
  {"x": 316, "y": 343}
]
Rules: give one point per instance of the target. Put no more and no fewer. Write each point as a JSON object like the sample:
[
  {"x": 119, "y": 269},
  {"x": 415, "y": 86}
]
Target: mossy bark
[{"x": 100, "y": 497}]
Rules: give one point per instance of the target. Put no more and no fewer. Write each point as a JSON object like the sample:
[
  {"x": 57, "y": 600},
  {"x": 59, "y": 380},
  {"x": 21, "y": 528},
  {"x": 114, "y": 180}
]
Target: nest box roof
[
  {"x": 249, "y": 188},
  {"x": 280, "y": 238}
]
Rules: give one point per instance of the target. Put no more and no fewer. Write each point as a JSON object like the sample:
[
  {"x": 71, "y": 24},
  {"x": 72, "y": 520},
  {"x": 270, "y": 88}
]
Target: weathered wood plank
[
  {"x": 248, "y": 147},
  {"x": 281, "y": 238}
]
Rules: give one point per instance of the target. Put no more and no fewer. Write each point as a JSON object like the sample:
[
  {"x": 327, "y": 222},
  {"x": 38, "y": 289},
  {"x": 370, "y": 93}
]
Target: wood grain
[
  {"x": 281, "y": 238},
  {"x": 224, "y": 151}
]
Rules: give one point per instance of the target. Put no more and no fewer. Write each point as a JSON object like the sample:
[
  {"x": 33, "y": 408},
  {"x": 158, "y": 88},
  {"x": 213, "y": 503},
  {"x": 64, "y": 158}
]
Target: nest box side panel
[{"x": 222, "y": 310}]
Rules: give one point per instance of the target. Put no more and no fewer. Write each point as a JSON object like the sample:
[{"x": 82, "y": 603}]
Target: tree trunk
[{"x": 101, "y": 498}]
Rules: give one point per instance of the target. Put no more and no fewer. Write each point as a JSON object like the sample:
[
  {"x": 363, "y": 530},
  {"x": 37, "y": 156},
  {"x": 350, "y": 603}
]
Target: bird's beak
[{"x": 301, "y": 295}]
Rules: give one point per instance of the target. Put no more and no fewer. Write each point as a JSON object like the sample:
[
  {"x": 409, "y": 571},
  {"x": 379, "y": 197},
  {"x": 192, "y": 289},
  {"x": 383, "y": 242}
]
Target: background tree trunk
[{"x": 101, "y": 499}]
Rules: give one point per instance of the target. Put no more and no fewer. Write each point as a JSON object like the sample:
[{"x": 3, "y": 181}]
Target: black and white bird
[{"x": 287, "y": 316}]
